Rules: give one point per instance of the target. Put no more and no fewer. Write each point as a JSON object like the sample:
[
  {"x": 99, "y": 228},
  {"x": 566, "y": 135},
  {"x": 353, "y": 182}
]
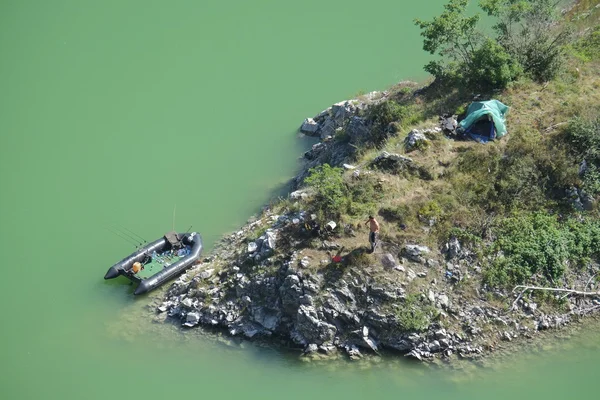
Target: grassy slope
[{"x": 471, "y": 188}]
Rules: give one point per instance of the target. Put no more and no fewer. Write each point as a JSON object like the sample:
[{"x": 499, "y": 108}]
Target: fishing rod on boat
[
  {"x": 128, "y": 240},
  {"x": 139, "y": 244},
  {"x": 135, "y": 234}
]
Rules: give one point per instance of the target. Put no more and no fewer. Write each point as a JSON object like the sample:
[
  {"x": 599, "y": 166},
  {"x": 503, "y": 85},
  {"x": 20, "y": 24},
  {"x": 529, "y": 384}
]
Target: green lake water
[{"x": 114, "y": 112}]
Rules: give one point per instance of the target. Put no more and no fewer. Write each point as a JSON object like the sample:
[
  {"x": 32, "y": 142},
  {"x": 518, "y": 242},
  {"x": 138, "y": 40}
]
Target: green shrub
[
  {"x": 537, "y": 244},
  {"x": 364, "y": 195},
  {"x": 381, "y": 116},
  {"x": 414, "y": 315},
  {"x": 491, "y": 67},
  {"x": 430, "y": 210},
  {"x": 528, "y": 31},
  {"x": 330, "y": 190},
  {"x": 588, "y": 47},
  {"x": 583, "y": 137}
]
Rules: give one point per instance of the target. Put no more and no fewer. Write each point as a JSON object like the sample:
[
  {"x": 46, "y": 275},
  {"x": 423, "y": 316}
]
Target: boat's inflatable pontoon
[{"x": 173, "y": 253}]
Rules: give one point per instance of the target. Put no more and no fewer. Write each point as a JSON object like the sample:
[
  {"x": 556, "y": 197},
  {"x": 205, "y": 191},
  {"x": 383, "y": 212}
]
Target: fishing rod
[
  {"x": 128, "y": 240},
  {"x": 139, "y": 244},
  {"x": 135, "y": 234}
]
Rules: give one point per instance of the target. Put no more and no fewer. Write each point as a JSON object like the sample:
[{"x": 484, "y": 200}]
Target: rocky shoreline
[{"x": 264, "y": 282}]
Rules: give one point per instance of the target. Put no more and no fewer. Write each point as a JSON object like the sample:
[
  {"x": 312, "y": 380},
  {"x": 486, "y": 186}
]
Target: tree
[
  {"x": 467, "y": 56},
  {"x": 527, "y": 30},
  {"x": 452, "y": 36}
]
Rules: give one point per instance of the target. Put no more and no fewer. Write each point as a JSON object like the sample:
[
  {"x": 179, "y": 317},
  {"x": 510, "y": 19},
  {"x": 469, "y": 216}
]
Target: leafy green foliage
[
  {"x": 414, "y": 315},
  {"x": 584, "y": 138},
  {"x": 492, "y": 67},
  {"x": 526, "y": 41},
  {"x": 588, "y": 47},
  {"x": 527, "y": 30},
  {"x": 330, "y": 190},
  {"x": 537, "y": 244},
  {"x": 450, "y": 35},
  {"x": 381, "y": 116}
]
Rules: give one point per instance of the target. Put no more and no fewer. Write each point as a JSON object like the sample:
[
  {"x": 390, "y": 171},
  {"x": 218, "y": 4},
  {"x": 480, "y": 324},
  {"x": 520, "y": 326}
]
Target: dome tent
[{"x": 484, "y": 120}]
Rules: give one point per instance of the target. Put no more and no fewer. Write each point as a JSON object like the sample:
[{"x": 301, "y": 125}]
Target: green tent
[{"x": 480, "y": 114}]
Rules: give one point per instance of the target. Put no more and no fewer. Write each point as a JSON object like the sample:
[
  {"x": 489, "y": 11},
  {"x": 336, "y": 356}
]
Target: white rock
[
  {"x": 348, "y": 166},
  {"x": 431, "y": 296},
  {"x": 192, "y": 319},
  {"x": 252, "y": 247},
  {"x": 444, "y": 300},
  {"x": 207, "y": 273}
]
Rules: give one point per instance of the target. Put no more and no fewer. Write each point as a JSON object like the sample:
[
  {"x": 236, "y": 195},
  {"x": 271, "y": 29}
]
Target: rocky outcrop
[{"x": 406, "y": 299}]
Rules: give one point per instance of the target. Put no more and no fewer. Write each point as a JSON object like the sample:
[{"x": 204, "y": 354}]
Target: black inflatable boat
[{"x": 159, "y": 261}]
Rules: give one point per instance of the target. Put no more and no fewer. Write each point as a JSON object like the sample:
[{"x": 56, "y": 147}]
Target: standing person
[{"x": 374, "y": 231}]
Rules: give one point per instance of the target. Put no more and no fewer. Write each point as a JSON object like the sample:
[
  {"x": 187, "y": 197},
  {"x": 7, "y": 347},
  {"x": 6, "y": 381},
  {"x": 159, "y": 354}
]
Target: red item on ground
[{"x": 337, "y": 259}]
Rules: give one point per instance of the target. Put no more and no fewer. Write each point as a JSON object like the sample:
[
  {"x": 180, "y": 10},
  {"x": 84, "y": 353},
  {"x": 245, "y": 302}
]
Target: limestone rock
[{"x": 414, "y": 139}]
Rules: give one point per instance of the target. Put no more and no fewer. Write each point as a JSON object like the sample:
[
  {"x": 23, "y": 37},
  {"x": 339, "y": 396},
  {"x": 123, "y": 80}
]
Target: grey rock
[
  {"x": 388, "y": 261},
  {"x": 305, "y": 262},
  {"x": 301, "y": 194},
  {"x": 415, "y": 252},
  {"x": 327, "y": 245},
  {"x": 311, "y": 348},
  {"x": 422, "y": 274},
  {"x": 431, "y": 296},
  {"x": 413, "y": 139},
  {"x": 370, "y": 343},
  {"x": 252, "y": 247},
  {"x": 290, "y": 293},
  {"x": 410, "y": 274},
  {"x": 416, "y": 354},
  {"x": 358, "y": 130},
  {"x": 441, "y": 334},
  {"x": 269, "y": 319},
  {"x": 207, "y": 273},
  {"x": 310, "y": 127},
  {"x": 269, "y": 241},
  {"x": 187, "y": 302},
  {"x": 391, "y": 162},
  {"x": 444, "y": 301},
  {"x": 453, "y": 248},
  {"x": 310, "y": 329},
  {"x": 352, "y": 352},
  {"x": 192, "y": 319}
]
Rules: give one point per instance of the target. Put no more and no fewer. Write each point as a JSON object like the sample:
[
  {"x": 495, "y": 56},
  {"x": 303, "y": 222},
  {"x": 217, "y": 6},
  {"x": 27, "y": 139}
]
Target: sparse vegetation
[{"x": 490, "y": 197}]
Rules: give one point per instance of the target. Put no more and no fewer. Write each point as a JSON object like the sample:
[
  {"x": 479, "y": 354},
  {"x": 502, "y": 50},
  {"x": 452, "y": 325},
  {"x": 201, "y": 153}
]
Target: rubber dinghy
[{"x": 159, "y": 261}]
